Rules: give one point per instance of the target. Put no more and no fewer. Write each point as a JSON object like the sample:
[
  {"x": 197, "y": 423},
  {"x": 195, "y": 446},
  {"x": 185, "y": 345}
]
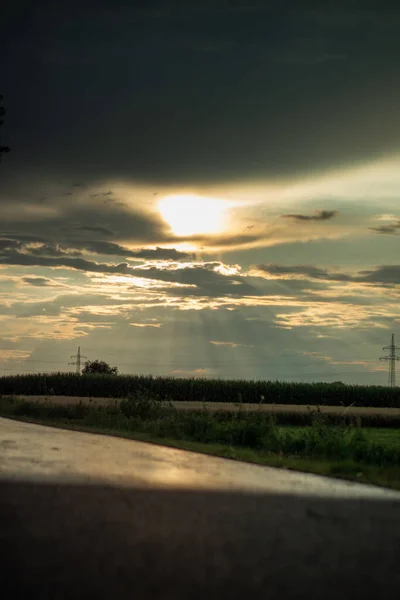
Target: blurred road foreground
[{"x": 91, "y": 516}]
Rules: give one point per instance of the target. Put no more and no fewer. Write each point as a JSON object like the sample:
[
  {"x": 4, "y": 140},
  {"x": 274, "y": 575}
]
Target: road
[{"x": 90, "y": 516}]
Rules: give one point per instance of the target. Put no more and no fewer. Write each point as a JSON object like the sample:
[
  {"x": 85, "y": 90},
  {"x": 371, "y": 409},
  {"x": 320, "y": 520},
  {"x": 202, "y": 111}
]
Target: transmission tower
[
  {"x": 78, "y": 356},
  {"x": 392, "y": 361}
]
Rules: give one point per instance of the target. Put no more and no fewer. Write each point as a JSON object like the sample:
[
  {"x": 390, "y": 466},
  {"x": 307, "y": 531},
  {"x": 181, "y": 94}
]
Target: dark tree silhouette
[
  {"x": 99, "y": 366},
  {"x": 2, "y": 113}
]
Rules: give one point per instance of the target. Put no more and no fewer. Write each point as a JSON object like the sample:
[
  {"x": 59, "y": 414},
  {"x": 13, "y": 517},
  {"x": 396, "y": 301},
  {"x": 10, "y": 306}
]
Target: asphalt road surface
[{"x": 89, "y": 516}]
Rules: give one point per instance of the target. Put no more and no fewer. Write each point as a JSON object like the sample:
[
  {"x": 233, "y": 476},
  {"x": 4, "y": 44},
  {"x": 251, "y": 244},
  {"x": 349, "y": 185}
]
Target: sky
[{"x": 201, "y": 188}]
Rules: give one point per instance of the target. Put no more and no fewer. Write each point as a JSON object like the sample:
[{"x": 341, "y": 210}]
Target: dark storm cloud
[
  {"x": 97, "y": 194},
  {"x": 50, "y": 250},
  {"x": 11, "y": 257},
  {"x": 114, "y": 202},
  {"x": 384, "y": 275},
  {"x": 71, "y": 219},
  {"x": 99, "y": 247},
  {"x": 11, "y": 247},
  {"x": 38, "y": 281},
  {"x": 238, "y": 289},
  {"x": 60, "y": 304},
  {"x": 202, "y": 279},
  {"x": 161, "y": 254},
  {"x": 9, "y": 244},
  {"x": 204, "y": 275},
  {"x": 391, "y": 229},
  {"x": 129, "y": 223},
  {"x": 321, "y": 215},
  {"x": 95, "y": 229},
  {"x": 198, "y": 91},
  {"x": 198, "y": 275},
  {"x": 14, "y": 239},
  {"x": 29, "y": 260},
  {"x": 40, "y": 247}
]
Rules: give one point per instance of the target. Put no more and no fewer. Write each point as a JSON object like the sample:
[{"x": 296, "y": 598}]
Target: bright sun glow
[{"x": 190, "y": 215}]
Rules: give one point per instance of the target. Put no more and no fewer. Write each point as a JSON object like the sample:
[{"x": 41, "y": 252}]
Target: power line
[
  {"x": 240, "y": 362},
  {"x": 30, "y": 371},
  {"x": 77, "y": 362},
  {"x": 392, "y": 361},
  {"x": 48, "y": 362},
  {"x": 185, "y": 362},
  {"x": 245, "y": 362},
  {"x": 241, "y": 359}
]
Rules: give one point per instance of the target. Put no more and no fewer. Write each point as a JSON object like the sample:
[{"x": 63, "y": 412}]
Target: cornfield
[{"x": 200, "y": 390}]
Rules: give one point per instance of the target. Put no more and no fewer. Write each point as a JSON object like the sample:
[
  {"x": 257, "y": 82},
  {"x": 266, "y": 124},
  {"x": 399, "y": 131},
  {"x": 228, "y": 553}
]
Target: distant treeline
[{"x": 200, "y": 390}]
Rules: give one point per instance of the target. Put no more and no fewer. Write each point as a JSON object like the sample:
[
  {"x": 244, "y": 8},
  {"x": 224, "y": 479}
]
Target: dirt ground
[{"x": 228, "y": 406}]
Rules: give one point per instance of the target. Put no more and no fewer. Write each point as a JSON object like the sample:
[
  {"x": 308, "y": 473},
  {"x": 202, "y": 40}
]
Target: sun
[{"x": 189, "y": 215}]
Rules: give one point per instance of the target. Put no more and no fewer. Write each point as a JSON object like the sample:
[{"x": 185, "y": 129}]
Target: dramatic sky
[{"x": 201, "y": 187}]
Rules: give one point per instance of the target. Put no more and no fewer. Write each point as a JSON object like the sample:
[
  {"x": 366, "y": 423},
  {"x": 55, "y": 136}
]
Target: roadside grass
[
  {"x": 343, "y": 450},
  {"x": 388, "y": 437}
]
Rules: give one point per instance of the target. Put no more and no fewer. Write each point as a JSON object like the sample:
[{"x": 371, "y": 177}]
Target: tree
[
  {"x": 99, "y": 366},
  {"x": 2, "y": 113}
]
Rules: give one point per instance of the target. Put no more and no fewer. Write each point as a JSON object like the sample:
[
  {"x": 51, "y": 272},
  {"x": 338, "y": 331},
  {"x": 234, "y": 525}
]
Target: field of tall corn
[{"x": 200, "y": 390}]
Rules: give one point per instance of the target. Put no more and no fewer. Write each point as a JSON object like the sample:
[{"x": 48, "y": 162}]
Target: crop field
[
  {"x": 201, "y": 390},
  {"x": 284, "y": 414}
]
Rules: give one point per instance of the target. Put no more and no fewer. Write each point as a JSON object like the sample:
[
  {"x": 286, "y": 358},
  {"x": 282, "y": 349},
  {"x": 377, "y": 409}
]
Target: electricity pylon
[
  {"x": 78, "y": 356},
  {"x": 392, "y": 361}
]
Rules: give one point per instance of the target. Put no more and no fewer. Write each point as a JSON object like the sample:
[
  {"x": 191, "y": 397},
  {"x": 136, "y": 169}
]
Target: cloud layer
[{"x": 200, "y": 91}]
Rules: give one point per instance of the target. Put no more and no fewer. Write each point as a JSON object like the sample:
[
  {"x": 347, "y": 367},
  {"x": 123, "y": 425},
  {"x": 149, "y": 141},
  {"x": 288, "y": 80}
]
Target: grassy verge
[
  {"x": 387, "y": 437},
  {"x": 336, "y": 450}
]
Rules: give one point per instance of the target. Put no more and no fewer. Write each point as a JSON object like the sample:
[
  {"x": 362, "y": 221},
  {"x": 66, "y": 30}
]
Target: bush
[
  {"x": 143, "y": 406},
  {"x": 100, "y": 367}
]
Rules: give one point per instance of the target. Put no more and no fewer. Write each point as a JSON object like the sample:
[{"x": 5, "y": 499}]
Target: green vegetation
[
  {"x": 341, "y": 450},
  {"x": 200, "y": 390}
]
